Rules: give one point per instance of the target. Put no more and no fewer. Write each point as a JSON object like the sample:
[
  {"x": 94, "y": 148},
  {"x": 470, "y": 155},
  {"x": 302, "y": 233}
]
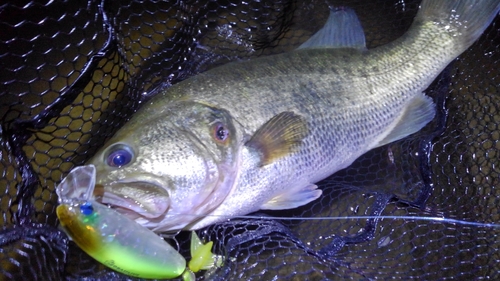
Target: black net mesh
[{"x": 72, "y": 72}]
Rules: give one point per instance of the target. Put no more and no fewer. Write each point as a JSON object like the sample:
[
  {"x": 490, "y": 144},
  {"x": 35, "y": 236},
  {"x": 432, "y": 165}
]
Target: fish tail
[{"x": 465, "y": 20}]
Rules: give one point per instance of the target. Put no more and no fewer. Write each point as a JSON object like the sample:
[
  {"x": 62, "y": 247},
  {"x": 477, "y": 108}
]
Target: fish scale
[{"x": 290, "y": 120}]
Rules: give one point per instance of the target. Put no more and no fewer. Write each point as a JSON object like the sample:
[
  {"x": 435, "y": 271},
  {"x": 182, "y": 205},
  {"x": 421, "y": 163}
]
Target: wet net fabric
[{"x": 73, "y": 72}]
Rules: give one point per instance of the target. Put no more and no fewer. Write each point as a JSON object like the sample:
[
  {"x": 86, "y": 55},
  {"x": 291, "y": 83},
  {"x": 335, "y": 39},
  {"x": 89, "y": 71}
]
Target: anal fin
[
  {"x": 293, "y": 198},
  {"x": 419, "y": 111}
]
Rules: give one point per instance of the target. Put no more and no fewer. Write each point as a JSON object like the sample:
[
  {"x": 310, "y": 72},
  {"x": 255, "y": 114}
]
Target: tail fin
[{"x": 464, "y": 19}]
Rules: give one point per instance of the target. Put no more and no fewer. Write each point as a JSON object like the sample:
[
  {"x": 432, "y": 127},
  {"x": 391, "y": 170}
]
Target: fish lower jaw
[
  {"x": 133, "y": 209},
  {"x": 170, "y": 223},
  {"x": 137, "y": 199}
]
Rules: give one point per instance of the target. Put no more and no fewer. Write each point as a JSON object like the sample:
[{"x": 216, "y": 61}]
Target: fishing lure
[{"x": 119, "y": 242}]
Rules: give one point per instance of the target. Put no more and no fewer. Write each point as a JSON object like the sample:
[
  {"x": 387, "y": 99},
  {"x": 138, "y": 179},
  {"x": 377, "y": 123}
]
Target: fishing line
[
  {"x": 412, "y": 218},
  {"x": 409, "y": 218}
]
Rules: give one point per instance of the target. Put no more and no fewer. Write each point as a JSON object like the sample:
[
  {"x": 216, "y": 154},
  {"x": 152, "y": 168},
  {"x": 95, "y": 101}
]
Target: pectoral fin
[
  {"x": 419, "y": 111},
  {"x": 278, "y": 137},
  {"x": 295, "y": 197}
]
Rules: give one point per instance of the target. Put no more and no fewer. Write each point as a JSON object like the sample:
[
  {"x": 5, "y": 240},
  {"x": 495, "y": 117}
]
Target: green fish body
[{"x": 258, "y": 134}]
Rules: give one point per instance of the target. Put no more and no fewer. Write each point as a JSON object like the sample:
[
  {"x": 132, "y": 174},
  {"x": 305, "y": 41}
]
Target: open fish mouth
[{"x": 135, "y": 199}]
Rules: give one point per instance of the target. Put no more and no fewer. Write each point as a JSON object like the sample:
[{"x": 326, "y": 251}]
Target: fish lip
[
  {"x": 185, "y": 219},
  {"x": 157, "y": 205}
]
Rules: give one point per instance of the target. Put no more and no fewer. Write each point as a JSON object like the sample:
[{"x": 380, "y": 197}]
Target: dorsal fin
[{"x": 341, "y": 30}]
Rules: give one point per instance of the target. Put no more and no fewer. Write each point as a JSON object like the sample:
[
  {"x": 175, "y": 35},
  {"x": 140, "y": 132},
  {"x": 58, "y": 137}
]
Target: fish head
[{"x": 167, "y": 167}]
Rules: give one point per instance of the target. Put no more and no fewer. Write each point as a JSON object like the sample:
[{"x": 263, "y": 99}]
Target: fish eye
[
  {"x": 86, "y": 209},
  {"x": 220, "y": 132},
  {"x": 120, "y": 156}
]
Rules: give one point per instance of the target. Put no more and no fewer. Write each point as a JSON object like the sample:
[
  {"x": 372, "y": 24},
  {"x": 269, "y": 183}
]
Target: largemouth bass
[{"x": 258, "y": 134}]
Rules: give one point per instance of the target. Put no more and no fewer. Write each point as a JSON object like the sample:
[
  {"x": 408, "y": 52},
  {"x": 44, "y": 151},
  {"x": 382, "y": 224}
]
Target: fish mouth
[{"x": 135, "y": 199}]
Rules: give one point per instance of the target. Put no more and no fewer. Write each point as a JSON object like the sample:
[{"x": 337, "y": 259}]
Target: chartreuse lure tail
[{"x": 202, "y": 257}]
